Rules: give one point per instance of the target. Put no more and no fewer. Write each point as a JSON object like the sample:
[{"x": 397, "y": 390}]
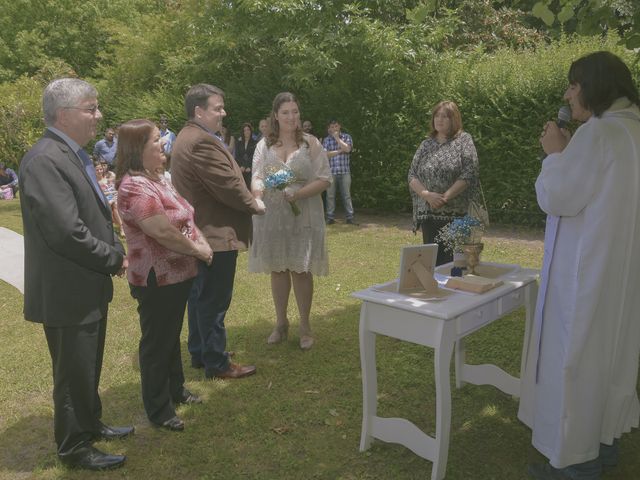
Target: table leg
[
  {"x": 460, "y": 359},
  {"x": 530, "y": 298},
  {"x": 442, "y": 361},
  {"x": 369, "y": 379},
  {"x": 529, "y": 360}
]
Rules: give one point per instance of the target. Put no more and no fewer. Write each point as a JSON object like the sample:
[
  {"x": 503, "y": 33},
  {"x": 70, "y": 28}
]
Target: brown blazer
[{"x": 205, "y": 173}]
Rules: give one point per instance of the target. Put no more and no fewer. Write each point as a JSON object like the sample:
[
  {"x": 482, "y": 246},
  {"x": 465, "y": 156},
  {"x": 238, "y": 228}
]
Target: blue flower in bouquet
[
  {"x": 279, "y": 180},
  {"x": 459, "y": 232}
]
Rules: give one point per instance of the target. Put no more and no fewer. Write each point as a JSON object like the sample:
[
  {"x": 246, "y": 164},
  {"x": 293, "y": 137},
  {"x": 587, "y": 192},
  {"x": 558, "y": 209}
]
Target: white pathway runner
[{"x": 12, "y": 258}]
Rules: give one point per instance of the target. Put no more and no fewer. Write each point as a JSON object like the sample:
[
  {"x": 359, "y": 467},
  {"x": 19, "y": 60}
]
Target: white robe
[{"x": 586, "y": 338}]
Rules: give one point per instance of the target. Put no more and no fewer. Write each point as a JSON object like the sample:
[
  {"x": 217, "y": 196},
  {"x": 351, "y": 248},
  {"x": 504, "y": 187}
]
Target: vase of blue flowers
[
  {"x": 461, "y": 231},
  {"x": 463, "y": 238}
]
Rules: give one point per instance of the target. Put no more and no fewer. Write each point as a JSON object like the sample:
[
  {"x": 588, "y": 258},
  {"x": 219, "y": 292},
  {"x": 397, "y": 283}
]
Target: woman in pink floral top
[{"x": 164, "y": 246}]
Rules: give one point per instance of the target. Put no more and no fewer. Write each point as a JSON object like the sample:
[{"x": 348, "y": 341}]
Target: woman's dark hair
[
  {"x": 132, "y": 138},
  {"x": 245, "y": 125},
  {"x": 453, "y": 112},
  {"x": 603, "y": 77},
  {"x": 274, "y": 127}
]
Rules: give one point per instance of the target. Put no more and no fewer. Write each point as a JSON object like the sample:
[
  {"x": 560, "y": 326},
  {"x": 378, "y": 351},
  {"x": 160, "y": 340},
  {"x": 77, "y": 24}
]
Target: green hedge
[
  {"x": 383, "y": 100},
  {"x": 505, "y": 99}
]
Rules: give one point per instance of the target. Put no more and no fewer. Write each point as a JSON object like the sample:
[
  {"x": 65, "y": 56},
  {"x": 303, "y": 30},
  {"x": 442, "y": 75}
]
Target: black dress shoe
[
  {"x": 174, "y": 424},
  {"x": 195, "y": 363},
  {"x": 187, "y": 398},
  {"x": 90, "y": 458},
  {"x": 114, "y": 433}
]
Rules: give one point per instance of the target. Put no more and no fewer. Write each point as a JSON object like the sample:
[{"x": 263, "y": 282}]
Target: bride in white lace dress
[{"x": 288, "y": 246}]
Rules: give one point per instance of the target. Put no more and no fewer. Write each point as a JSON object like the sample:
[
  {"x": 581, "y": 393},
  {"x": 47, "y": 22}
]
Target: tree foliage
[
  {"x": 592, "y": 17},
  {"x": 34, "y": 34},
  {"x": 378, "y": 66}
]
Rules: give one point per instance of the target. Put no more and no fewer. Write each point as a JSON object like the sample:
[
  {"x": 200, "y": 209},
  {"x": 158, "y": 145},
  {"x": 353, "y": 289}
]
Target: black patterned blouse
[{"x": 438, "y": 166}]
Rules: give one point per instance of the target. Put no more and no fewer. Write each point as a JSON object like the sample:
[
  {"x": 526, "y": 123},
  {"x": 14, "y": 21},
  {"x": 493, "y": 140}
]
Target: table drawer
[
  {"x": 477, "y": 317},
  {"x": 511, "y": 301}
]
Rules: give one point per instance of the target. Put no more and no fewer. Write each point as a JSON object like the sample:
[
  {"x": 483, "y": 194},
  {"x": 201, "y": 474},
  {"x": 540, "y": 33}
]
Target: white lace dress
[{"x": 281, "y": 240}]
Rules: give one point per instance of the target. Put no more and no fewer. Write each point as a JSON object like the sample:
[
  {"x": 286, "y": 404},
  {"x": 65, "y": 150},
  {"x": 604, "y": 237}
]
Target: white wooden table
[{"x": 442, "y": 326}]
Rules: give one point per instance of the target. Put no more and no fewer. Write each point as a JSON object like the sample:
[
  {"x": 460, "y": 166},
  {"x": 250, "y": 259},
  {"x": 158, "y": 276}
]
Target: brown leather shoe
[
  {"x": 196, "y": 363},
  {"x": 234, "y": 371}
]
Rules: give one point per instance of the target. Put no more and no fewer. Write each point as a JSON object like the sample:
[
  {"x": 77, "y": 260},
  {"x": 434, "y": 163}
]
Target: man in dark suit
[
  {"x": 205, "y": 173},
  {"x": 70, "y": 254}
]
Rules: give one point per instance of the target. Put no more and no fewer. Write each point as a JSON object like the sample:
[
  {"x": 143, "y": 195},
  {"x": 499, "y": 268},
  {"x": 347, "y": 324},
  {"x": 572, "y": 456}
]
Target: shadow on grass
[
  {"x": 27, "y": 444},
  {"x": 299, "y": 416}
]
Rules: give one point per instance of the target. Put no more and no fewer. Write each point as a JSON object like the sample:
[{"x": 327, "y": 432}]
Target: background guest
[
  {"x": 8, "y": 179},
  {"x": 263, "y": 129},
  {"x": 580, "y": 393},
  {"x": 106, "y": 180},
  {"x": 164, "y": 244},
  {"x": 338, "y": 146},
  {"x": 107, "y": 148},
  {"x": 245, "y": 146},
  {"x": 168, "y": 137},
  {"x": 228, "y": 140},
  {"x": 444, "y": 168},
  {"x": 290, "y": 247},
  {"x": 307, "y": 127}
]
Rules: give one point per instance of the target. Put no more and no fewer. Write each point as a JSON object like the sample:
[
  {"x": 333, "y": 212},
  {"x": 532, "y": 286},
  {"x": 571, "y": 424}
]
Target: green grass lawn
[{"x": 300, "y": 415}]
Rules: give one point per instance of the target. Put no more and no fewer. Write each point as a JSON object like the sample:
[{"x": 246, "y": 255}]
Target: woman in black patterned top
[{"x": 443, "y": 176}]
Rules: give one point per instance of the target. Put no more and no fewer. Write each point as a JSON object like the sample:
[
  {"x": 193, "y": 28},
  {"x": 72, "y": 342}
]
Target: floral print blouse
[
  {"x": 438, "y": 166},
  {"x": 139, "y": 198}
]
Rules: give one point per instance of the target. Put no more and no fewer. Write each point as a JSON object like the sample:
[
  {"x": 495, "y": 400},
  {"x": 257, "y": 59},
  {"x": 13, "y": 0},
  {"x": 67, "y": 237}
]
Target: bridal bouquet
[
  {"x": 279, "y": 180},
  {"x": 461, "y": 231}
]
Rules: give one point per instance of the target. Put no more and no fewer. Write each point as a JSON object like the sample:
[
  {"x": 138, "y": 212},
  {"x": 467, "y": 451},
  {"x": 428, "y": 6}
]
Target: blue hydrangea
[
  {"x": 459, "y": 232},
  {"x": 279, "y": 180}
]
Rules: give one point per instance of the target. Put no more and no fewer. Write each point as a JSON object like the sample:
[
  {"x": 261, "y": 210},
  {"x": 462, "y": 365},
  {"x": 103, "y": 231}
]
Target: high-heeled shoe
[
  {"x": 306, "y": 338},
  {"x": 306, "y": 341},
  {"x": 279, "y": 334}
]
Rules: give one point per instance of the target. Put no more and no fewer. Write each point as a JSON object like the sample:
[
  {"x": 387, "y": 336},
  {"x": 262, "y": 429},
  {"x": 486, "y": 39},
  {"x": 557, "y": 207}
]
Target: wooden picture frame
[{"x": 417, "y": 265}]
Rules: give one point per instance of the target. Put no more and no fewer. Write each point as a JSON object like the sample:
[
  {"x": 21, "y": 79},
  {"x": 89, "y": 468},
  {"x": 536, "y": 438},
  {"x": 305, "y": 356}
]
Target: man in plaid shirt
[{"x": 338, "y": 146}]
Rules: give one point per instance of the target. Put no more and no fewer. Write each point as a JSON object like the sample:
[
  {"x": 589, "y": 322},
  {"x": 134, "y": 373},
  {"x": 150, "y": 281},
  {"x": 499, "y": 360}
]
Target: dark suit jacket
[
  {"x": 70, "y": 248},
  {"x": 204, "y": 172},
  {"x": 244, "y": 156}
]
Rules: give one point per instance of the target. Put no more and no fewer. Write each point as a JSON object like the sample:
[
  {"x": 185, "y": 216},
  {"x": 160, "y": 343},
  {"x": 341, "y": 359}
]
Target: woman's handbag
[
  {"x": 6, "y": 193},
  {"x": 478, "y": 207}
]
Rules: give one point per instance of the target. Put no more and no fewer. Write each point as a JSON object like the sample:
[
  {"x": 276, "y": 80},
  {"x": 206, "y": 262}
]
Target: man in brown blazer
[{"x": 205, "y": 173}]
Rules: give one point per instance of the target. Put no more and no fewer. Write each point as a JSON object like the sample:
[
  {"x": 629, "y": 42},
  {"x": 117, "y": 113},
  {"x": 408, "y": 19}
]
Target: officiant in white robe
[{"x": 580, "y": 391}]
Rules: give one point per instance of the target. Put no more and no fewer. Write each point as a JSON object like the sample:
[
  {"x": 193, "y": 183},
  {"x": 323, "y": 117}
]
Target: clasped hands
[
  {"x": 123, "y": 268},
  {"x": 434, "y": 199},
  {"x": 204, "y": 250}
]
